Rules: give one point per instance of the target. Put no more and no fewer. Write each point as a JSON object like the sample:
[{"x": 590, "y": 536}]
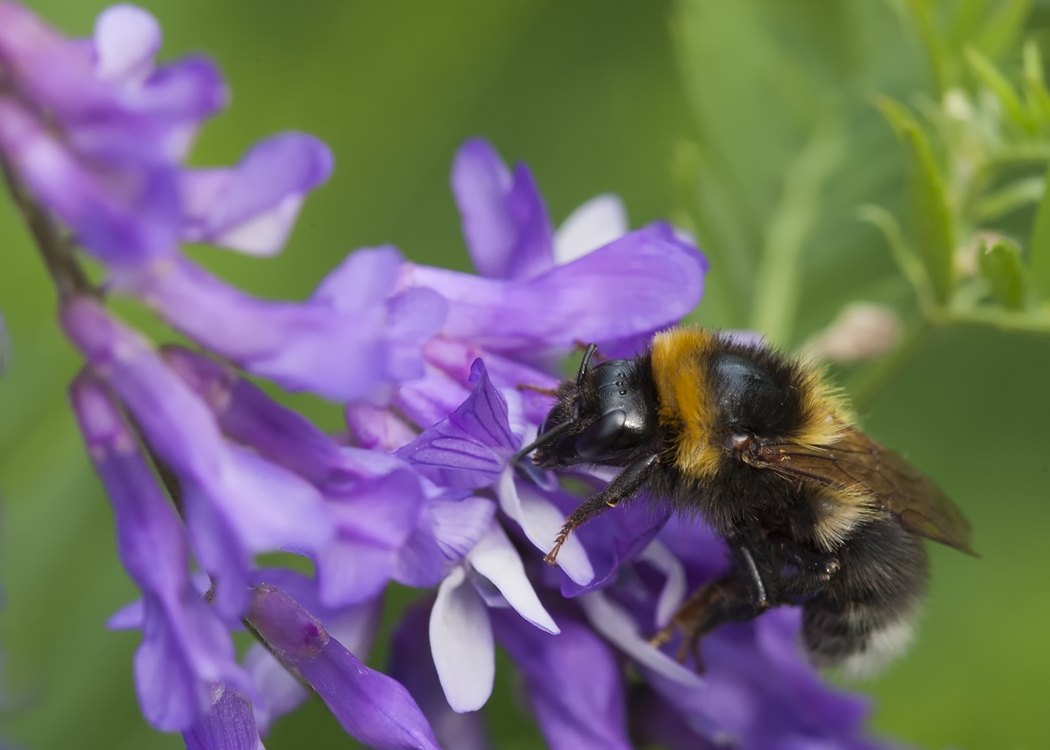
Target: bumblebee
[{"x": 757, "y": 444}]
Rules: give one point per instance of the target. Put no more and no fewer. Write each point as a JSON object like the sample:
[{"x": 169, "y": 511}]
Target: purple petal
[
  {"x": 421, "y": 562},
  {"x": 370, "y": 706},
  {"x": 504, "y": 219},
  {"x": 458, "y": 525},
  {"x": 470, "y": 448},
  {"x": 119, "y": 216},
  {"x": 412, "y": 664},
  {"x": 656, "y": 721},
  {"x": 331, "y": 345},
  {"x": 253, "y": 206},
  {"x": 249, "y": 416},
  {"x": 184, "y": 646},
  {"x": 599, "y": 221},
  {"x": 280, "y": 692},
  {"x": 351, "y": 571},
  {"x": 362, "y": 281},
  {"x": 354, "y": 627},
  {"x": 495, "y": 558},
  {"x": 431, "y": 398},
  {"x": 375, "y": 428},
  {"x": 456, "y": 359},
  {"x": 228, "y": 725},
  {"x": 657, "y": 280},
  {"x": 126, "y": 39},
  {"x": 574, "y": 683},
  {"x": 461, "y": 642},
  {"x": 52, "y": 69},
  {"x": 184, "y": 649}
]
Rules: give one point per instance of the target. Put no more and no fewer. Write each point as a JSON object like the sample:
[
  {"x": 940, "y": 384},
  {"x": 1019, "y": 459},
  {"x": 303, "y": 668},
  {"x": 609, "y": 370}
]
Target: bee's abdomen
[{"x": 866, "y": 615}]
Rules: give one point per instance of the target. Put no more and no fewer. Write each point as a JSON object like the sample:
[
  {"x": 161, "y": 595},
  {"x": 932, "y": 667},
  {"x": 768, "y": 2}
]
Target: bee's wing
[{"x": 857, "y": 463}]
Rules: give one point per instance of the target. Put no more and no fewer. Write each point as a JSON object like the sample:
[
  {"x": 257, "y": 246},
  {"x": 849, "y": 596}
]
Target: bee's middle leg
[{"x": 738, "y": 596}]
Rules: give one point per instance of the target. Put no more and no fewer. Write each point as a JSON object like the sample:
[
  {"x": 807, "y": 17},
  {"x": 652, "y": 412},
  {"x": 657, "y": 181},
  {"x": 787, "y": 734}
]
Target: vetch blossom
[
  {"x": 372, "y": 707},
  {"x": 185, "y": 649},
  {"x": 96, "y": 131},
  {"x": 235, "y": 503},
  {"x": 390, "y": 523}
]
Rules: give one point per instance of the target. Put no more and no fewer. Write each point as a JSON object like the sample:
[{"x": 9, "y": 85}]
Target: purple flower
[
  {"x": 370, "y": 706},
  {"x": 96, "y": 132},
  {"x": 354, "y": 627},
  {"x": 593, "y": 282},
  {"x": 235, "y": 502},
  {"x": 252, "y": 207},
  {"x": 185, "y": 648},
  {"x": 574, "y": 683},
  {"x": 389, "y": 522}
]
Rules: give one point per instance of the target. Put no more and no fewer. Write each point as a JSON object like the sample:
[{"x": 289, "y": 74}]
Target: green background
[{"x": 596, "y": 97}]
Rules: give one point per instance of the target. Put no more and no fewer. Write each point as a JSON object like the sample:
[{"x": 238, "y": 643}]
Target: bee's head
[{"x": 603, "y": 417}]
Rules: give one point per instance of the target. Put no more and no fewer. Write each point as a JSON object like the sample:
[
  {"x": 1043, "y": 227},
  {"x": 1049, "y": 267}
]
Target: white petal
[
  {"x": 126, "y": 38},
  {"x": 461, "y": 641},
  {"x": 673, "y": 593},
  {"x": 617, "y": 626},
  {"x": 265, "y": 234},
  {"x": 541, "y": 521},
  {"x": 597, "y": 222},
  {"x": 495, "y": 558}
]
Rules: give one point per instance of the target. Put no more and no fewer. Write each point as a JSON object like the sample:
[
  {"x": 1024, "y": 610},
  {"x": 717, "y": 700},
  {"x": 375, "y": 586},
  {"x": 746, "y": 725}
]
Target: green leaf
[
  {"x": 931, "y": 218},
  {"x": 936, "y": 54},
  {"x": 1039, "y": 248},
  {"x": 1017, "y": 194},
  {"x": 1002, "y": 266},
  {"x": 1004, "y": 91},
  {"x": 909, "y": 263},
  {"x": 790, "y": 227},
  {"x": 1036, "y": 95},
  {"x": 999, "y": 31}
]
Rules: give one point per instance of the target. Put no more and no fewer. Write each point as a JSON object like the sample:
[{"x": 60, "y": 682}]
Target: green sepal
[
  {"x": 1004, "y": 270},
  {"x": 931, "y": 219},
  {"x": 1036, "y": 95},
  {"x": 1004, "y": 91}
]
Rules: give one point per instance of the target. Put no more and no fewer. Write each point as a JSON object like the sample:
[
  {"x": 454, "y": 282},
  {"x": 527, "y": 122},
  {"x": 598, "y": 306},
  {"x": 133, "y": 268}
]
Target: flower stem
[{"x": 70, "y": 279}]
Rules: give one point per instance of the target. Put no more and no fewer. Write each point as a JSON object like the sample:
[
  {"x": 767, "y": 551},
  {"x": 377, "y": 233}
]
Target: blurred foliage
[
  {"x": 817, "y": 121},
  {"x": 823, "y": 151}
]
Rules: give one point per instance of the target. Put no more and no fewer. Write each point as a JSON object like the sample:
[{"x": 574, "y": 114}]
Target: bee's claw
[{"x": 551, "y": 557}]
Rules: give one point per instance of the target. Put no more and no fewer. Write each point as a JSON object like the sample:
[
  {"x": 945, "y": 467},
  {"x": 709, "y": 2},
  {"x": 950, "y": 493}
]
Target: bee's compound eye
[{"x": 600, "y": 437}]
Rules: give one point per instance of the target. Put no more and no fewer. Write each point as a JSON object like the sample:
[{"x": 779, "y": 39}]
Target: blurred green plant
[{"x": 791, "y": 153}]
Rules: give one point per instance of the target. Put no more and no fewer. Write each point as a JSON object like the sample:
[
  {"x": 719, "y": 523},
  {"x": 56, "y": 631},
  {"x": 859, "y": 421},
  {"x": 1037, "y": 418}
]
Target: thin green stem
[{"x": 55, "y": 249}]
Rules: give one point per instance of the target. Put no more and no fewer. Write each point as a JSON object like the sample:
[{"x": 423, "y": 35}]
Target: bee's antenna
[
  {"x": 543, "y": 439},
  {"x": 587, "y": 354}
]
